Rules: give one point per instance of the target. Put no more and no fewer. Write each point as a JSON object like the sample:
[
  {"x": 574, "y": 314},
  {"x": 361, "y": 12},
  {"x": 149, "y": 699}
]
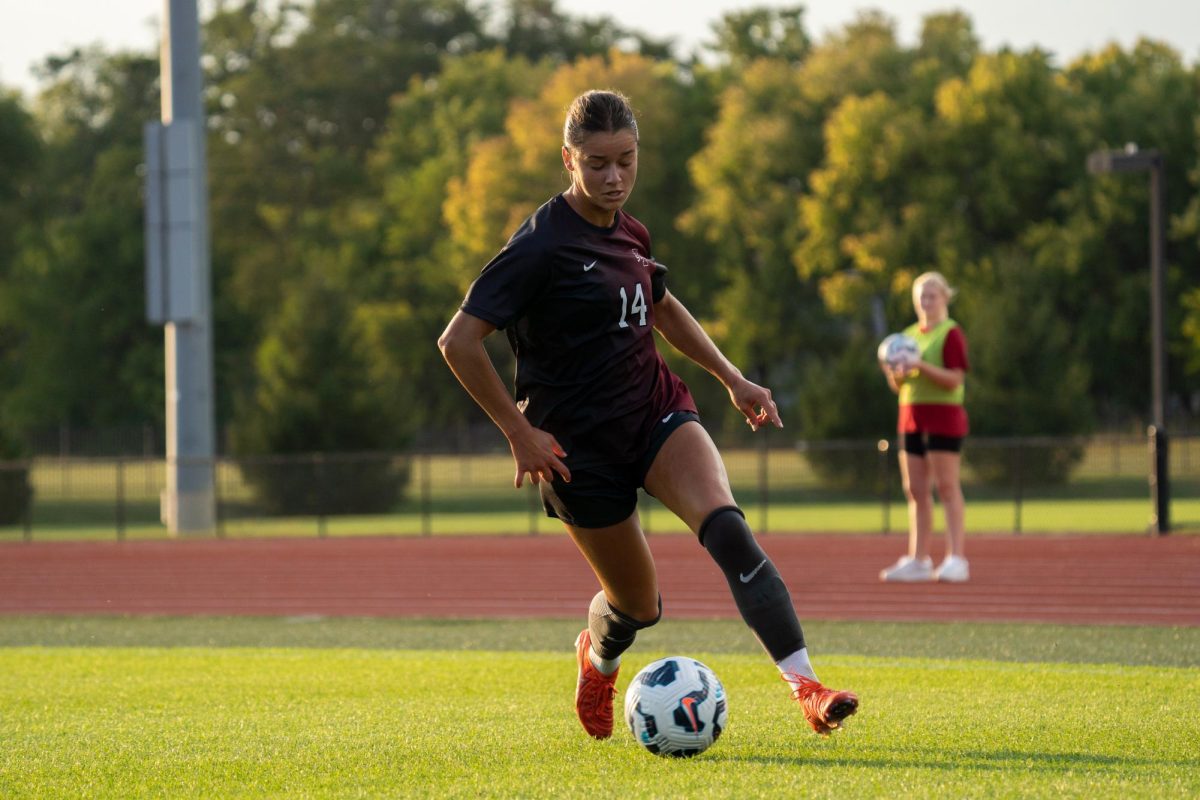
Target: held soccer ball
[
  {"x": 676, "y": 706},
  {"x": 898, "y": 350}
]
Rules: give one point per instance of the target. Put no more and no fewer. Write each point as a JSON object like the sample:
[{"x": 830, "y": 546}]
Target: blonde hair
[{"x": 938, "y": 280}]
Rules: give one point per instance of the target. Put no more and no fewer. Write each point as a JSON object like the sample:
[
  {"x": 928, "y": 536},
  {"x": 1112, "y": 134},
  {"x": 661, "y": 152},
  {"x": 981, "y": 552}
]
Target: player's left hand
[
  {"x": 909, "y": 369},
  {"x": 755, "y": 403}
]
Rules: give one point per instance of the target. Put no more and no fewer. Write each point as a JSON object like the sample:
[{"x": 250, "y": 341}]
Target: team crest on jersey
[{"x": 641, "y": 259}]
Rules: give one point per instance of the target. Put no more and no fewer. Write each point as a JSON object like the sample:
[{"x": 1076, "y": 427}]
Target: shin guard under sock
[
  {"x": 759, "y": 591},
  {"x": 613, "y": 631}
]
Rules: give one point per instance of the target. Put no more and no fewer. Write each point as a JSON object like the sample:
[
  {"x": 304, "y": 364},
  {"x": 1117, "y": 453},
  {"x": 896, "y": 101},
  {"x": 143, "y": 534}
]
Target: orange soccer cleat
[
  {"x": 823, "y": 708},
  {"x": 594, "y": 693}
]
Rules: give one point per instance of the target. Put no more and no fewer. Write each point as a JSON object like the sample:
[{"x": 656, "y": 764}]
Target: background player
[
  {"x": 932, "y": 424},
  {"x": 598, "y": 414}
]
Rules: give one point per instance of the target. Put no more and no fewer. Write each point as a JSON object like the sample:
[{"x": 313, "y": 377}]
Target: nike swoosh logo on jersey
[
  {"x": 668, "y": 416},
  {"x": 753, "y": 572},
  {"x": 587, "y": 267}
]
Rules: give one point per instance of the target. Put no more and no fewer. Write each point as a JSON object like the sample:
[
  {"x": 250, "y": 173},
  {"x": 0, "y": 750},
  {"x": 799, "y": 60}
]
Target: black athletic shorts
[
  {"x": 918, "y": 443},
  {"x": 606, "y": 494}
]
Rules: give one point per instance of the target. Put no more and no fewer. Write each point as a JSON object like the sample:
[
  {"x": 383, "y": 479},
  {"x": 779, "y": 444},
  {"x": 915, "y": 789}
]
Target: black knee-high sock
[
  {"x": 758, "y": 590},
  {"x": 613, "y": 631}
]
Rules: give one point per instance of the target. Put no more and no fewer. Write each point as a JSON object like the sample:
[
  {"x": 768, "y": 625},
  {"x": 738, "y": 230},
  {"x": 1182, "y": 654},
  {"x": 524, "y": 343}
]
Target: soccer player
[
  {"x": 932, "y": 424},
  {"x": 598, "y": 414}
]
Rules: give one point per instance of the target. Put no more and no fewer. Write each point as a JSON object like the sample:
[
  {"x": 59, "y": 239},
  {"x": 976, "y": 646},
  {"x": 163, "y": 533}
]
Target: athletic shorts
[
  {"x": 606, "y": 494},
  {"x": 917, "y": 444}
]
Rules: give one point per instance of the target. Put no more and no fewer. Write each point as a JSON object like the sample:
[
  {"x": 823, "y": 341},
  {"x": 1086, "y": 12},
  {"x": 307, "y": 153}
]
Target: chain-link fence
[{"x": 1015, "y": 485}]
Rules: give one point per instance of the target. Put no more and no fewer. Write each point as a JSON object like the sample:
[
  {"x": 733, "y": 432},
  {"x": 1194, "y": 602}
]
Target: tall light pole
[
  {"x": 1131, "y": 159},
  {"x": 178, "y": 293}
]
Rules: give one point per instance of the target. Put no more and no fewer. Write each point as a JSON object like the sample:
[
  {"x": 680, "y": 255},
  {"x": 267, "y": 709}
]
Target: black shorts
[
  {"x": 917, "y": 444},
  {"x": 606, "y": 494}
]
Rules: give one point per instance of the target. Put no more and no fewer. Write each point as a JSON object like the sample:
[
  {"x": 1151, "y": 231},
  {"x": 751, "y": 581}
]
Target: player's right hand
[{"x": 539, "y": 455}]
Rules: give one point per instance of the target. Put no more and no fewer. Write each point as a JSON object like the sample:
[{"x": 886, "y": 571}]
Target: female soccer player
[
  {"x": 598, "y": 414},
  {"x": 932, "y": 425}
]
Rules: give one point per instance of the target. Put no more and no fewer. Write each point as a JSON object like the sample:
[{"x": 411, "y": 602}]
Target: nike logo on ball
[
  {"x": 753, "y": 572},
  {"x": 587, "y": 267}
]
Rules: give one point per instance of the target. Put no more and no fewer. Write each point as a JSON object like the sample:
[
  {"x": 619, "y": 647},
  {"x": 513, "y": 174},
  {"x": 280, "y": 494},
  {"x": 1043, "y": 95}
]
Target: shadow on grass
[{"x": 1000, "y": 760}]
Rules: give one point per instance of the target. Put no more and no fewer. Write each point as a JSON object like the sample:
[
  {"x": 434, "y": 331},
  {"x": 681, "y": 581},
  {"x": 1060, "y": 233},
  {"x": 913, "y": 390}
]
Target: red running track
[{"x": 1100, "y": 580}]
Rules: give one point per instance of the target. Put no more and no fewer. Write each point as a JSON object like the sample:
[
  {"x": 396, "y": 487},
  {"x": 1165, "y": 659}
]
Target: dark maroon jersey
[{"x": 577, "y": 303}]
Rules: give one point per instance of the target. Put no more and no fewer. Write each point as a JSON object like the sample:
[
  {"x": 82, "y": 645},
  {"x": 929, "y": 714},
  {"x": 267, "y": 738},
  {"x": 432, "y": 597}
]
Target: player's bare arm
[
  {"x": 535, "y": 452},
  {"x": 894, "y": 377},
  {"x": 685, "y": 334}
]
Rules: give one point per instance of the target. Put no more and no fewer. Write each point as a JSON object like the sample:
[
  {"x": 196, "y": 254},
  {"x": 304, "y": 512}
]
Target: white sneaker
[
  {"x": 908, "y": 570},
  {"x": 954, "y": 569}
]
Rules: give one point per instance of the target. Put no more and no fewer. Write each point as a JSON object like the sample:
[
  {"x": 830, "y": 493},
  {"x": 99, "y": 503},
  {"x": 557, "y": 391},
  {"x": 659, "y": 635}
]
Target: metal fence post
[
  {"x": 885, "y": 481},
  {"x": 426, "y": 497},
  {"x": 533, "y": 494},
  {"x": 219, "y": 512},
  {"x": 120, "y": 498},
  {"x": 1160, "y": 486},
  {"x": 28, "y": 521},
  {"x": 1019, "y": 487},
  {"x": 319, "y": 474},
  {"x": 764, "y": 499}
]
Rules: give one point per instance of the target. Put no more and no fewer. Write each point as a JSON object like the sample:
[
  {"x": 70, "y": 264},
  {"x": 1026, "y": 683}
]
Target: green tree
[
  {"x": 510, "y": 175},
  {"x": 86, "y": 355},
  {"x": 410, "y": 295},
  {"x": 755, "y": 163},
  {"x": 860, "y": 58},
  {"x": 1144, "y": 95},
  {"x": 743, "y": 37},
  {"x": 1028, "y": 376},
  {"x": 947, "y": 49},
  {"x": 315, "y": 395},
  {"x": 20, "y": 152},
  {"x": 538, "y": 30}
]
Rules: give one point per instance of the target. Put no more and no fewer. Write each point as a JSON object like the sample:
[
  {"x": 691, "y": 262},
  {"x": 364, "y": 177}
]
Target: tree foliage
[
  {"x": 367, "y": 159},
  {"x": 83, "y": 353}
]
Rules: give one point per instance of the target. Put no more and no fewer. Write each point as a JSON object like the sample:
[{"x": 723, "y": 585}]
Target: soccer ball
[
  {"x": 898, "y": 350},
  {"x": 676, "y": 706}
]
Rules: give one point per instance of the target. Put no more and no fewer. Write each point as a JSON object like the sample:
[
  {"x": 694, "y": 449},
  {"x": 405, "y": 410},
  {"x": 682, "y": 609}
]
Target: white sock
[
  {"x": 606, "y": 666},
  {"x": 797, "y": 664}
]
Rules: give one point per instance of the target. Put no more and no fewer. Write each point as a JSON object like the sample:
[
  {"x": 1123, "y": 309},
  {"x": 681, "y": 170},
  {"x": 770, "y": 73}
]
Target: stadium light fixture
[{"x": 1132, "y": 159}]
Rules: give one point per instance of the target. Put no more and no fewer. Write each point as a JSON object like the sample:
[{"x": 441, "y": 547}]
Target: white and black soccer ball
[
  {"x": 676, "y": 706},
  {"x": 899, "y": 350}
]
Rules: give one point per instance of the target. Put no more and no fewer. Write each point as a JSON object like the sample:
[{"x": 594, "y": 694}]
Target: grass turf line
[
  {"x": 203, "y": 722},
  {"x": 995, "y": 641}
]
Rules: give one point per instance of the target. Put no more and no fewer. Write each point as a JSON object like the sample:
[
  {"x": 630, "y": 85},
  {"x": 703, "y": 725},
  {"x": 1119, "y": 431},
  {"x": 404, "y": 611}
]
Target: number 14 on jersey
[{"x": 637, "y": 307}]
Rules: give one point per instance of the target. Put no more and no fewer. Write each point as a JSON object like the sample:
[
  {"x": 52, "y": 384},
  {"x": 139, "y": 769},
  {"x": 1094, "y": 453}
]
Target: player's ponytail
[{"x": 597, "y": 111}]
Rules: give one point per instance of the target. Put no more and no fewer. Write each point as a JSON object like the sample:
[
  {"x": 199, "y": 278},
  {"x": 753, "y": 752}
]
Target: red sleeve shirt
[{"x": 954, "y": 351}]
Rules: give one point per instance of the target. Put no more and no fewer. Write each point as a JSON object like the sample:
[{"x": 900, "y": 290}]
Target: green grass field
[{"x": 196, "y": 707}]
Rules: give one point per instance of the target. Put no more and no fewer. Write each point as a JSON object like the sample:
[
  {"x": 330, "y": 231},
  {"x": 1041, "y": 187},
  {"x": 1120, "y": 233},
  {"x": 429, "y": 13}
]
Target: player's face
[
  {"x": 603, "y": 170},
  {"x": 930, "y": 302}
]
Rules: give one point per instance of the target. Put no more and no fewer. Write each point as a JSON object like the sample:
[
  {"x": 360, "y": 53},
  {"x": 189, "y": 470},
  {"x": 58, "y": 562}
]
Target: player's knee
[
  {"x": 722, "y": 527},
  {"x": 647, "y": 614},
  {"x": 612, "y": 629},
  {"x": 948, "y": 489},
  {"x": 728, "y": 539},
  {"x": 918, "y": 492},
  {"x": 631, "y": 618}
]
